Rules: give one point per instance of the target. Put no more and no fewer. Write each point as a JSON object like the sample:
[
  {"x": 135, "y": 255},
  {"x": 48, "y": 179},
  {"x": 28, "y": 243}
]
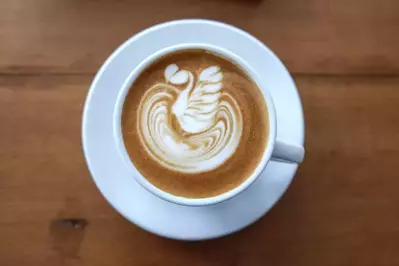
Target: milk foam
[{"x": 210, "y": 120}]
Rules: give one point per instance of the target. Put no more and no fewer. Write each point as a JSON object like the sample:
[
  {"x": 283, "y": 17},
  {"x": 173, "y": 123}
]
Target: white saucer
[{"x": 136, "y": 203}]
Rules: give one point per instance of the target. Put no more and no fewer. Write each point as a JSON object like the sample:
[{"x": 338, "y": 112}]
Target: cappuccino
[{"x": 195, "y": 124}]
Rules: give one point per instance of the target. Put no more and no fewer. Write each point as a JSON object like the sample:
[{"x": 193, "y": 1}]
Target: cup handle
[{"x": 287, "y": 152}]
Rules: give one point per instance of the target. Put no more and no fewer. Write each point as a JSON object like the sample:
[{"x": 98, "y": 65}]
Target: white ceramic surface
[{"x": 121, "y": 189}]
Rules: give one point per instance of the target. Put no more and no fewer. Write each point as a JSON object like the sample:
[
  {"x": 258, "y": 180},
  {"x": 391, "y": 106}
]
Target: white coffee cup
[{"x": 275, "y": 149}]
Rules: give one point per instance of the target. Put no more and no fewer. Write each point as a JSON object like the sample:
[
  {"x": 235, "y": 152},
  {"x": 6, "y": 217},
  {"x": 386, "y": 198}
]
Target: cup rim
[{"x": 118, "y": 137}]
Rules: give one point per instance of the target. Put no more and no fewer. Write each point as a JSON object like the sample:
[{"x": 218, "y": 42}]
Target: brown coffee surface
[{"x": 202, "y": 143}]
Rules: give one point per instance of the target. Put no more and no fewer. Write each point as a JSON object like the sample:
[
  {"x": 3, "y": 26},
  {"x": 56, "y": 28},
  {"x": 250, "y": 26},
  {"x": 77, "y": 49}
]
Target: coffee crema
[{"x": 194, "y": 124}]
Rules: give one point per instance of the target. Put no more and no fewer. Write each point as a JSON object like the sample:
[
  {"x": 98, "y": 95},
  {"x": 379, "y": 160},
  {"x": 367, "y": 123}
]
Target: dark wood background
[{"x": 343, "y": 206}]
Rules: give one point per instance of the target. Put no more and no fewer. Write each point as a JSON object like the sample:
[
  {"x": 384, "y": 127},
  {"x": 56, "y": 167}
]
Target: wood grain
[
  {"x": 342, "y": 206},
  {"x": 310, "y": 36},
  {"x": 340, "y": 210}
]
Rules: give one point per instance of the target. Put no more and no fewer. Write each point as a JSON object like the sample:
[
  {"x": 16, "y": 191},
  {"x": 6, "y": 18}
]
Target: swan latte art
[{"x": 194, "y": 124}]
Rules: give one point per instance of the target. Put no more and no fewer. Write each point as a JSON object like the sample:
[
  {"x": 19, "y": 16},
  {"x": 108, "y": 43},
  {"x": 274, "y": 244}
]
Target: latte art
[
  {"x": 189, "y": 124},
  {"x": 194, "y": 124}
]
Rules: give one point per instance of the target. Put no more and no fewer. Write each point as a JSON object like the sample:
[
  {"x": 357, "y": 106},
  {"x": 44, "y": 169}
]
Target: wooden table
[{"x": 341, "y": 209}]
